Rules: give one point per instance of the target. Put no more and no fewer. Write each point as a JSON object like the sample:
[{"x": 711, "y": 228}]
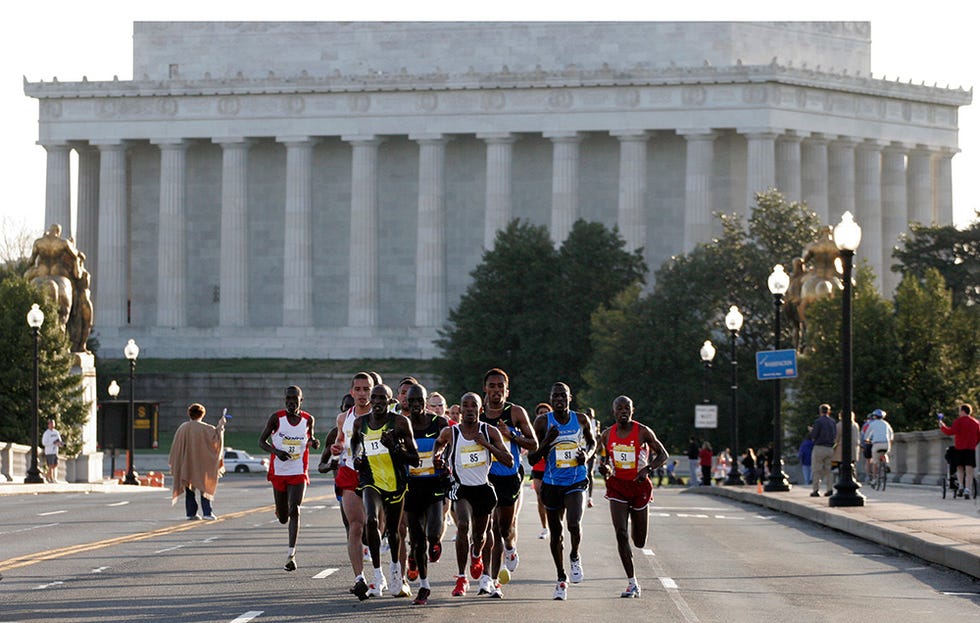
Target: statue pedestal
[{"x": 87, "y": 466}]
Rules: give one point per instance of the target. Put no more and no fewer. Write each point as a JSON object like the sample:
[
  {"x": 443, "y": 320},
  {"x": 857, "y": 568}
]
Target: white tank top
[
  {"x": 346, "y": 460},
  {"x": 293, "y": 439},
  {"x": 471, "y": 461}
]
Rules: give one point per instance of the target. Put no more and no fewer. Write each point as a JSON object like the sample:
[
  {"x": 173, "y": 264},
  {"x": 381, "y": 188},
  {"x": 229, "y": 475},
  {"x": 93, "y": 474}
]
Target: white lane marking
[
  {"x": 43, "y": 586},
  {"x": 671, "y": 587},
  {"x": 50, "y": 513},
  {"x": 325, "y": 573},
  {"x": 336, "y": 507},
  {"x": 961, "y": 594},
  {"x": 99, "y": 570},
  {"x": 669, "y": 583},
  {"x": 248, "y": 616},
  {"x": 660, "y": 514},
  {"x": 169, "y": 549},
  {"x": 699, "y": 516},
  {"x": 123, "y": 503},
  {"x": 210, "y": 538},
  {"x": 648, "y": 552},
  {"x": 315, "y": 508},
  {"x": 28, "y": 529}
]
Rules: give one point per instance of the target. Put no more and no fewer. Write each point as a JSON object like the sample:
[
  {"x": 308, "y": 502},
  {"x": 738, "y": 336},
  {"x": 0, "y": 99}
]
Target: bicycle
[{"x": 879, "y": 479}]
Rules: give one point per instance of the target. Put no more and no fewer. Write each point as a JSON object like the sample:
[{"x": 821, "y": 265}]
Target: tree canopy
[{"x": 953, "y": 252}]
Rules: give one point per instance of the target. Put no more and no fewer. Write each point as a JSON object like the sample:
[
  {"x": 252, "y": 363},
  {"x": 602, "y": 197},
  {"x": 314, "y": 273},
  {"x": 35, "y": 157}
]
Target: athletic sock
[
  {"x": 424, "y": 583},
  {"x": 633, "y": 581},
  {"x": 291, "y": 551}
]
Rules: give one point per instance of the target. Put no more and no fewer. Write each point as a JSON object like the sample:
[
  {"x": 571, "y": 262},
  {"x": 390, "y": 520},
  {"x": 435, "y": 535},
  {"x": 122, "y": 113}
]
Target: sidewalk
[{"x": 910, "y": 518}]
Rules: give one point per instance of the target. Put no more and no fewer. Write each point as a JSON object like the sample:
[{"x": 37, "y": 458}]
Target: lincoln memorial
[{"x": 323, "y": 190}]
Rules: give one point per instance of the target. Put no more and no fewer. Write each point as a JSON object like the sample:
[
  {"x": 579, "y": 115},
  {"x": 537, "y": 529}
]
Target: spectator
[
  {"x": 672, "y": 474},
  {"x": 966, "y": 435},
  {"x": 693, "y": 460},
  {"x": 722, "y": 465},
  {"x": 823, "y": 433},
  {"x": 196, "y": 461},
  {"x": 51, "y": 440},
  {"x": 805, "y": 455},
  {"x": 748, "y": 466},
  {"x": 704, "y": 461},
  {"x": 855, "y": 442}
]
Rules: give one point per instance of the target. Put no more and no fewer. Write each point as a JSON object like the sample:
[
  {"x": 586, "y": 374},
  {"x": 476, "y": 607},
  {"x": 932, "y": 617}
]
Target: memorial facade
[{"x": 323, "y": 190}]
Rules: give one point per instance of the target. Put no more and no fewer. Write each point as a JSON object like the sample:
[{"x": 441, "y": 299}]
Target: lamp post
[
  {"x": 707, "y": 354},
  {"x": 35, "y": 318},
  {"x": 847, "y": 236},
  {"x": 113, "y": 390},
  {"x": 132, "y": 351},
  {"x": 733, "y": 322},
  {"x": 778, "y": 481}
]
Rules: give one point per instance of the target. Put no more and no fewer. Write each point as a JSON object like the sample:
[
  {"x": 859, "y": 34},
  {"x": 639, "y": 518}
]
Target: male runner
[
  {"x": 383, "y": 445},
  {"x": 567, "y": 443},
  {"x": 288, "y": 436},
  {"x": 632, "y": 453},
  {"x": 471, "y": 444},
  {"x": 426, "y": 492},
  {"x": 515, "y": 430}
]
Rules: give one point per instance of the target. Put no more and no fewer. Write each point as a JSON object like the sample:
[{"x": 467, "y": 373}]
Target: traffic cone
[{"x": 758, "y": 487}]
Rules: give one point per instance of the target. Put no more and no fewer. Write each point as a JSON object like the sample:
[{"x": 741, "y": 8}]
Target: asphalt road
[{"x": 131, "y": 556}]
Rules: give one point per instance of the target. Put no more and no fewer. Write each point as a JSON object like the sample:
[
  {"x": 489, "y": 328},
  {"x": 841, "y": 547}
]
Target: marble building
[{"x": 324, "y": 189}]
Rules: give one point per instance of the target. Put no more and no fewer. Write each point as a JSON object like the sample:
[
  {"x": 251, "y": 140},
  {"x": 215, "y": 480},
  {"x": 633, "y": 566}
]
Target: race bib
[
  {"x": 374, "y": 447},
  {"x": 566, "y": 454},
  {"x": 473, "y": 455},
  {"x": 624, "y": 457},
  {"x": 426, "y": 468},
  {"x": 292, "y": 446}
]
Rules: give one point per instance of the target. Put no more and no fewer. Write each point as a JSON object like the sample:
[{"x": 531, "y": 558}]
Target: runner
[
  {"x": 537, "y": 473},
  {"x": 347, "y": 480},
  {"x": 288, "y": 437},
  {"x": 516, "y": 432},
  {"x": 632, "y": 454},
  {"x": 383, "y": 445},
  {"x": 426, "y": 492},
  {"x": 567, "y": 443},
  {"x": 401, "y": 406},
  {"x": 471, "y": 445}
]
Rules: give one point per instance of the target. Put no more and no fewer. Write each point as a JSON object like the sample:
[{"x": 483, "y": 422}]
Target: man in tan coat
[{"x": 197, "y": 461}]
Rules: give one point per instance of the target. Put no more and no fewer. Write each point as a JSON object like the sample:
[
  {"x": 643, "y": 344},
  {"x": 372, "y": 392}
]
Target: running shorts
[
  {"x": 553, "y": 496},
  {"x": 508, "y": 488},
  {"x": 423, "y": 493},
  {"x": 482, "y": 498},
  {"x": 964, "y": 457},
  {"x": 279, "y": 483},
  {"x": 636, "y": 495}
]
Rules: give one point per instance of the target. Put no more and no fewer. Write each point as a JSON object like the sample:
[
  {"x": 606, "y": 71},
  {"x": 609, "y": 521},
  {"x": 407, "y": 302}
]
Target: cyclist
[{"x": 879, "y": 434}]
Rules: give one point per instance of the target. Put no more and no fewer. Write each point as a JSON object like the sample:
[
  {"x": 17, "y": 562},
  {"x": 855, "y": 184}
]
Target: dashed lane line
[
  {"x": 325, "y": 573},
  {"x": 44, "y": 586},
  {"x": 123, "y": 503},
  {"x": 248, "y": 616},
  {"x": 29, "y": 528},
  {"x": 51, "y": 513}
]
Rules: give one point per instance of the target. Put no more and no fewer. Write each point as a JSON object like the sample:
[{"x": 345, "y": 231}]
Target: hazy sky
[{"x": 69, "y": 39}]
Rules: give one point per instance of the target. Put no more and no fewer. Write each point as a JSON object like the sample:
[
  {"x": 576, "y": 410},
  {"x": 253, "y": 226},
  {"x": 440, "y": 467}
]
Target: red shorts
[
  {"x": 279, "y": 483},
  {"x": 347, "y": 479},
  {"x": 637, "y": 495}
]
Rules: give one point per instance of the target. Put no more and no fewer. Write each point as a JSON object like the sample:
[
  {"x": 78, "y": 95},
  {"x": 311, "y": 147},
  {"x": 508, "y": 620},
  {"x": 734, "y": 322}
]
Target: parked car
[{"x": 242, "y": 462}]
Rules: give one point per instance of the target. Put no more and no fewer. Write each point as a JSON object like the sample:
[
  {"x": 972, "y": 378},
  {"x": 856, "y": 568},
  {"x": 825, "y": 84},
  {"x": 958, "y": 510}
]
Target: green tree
[
  {"x": 529, "y": 305},
  {"x": 60, "y": 391},
  {"x": 953, "y": 252}
]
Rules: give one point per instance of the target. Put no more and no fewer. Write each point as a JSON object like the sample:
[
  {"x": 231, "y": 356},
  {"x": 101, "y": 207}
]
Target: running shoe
[
  {"x": 495, "y": 592},
  {"x": 423, "y": 597},
  {"x": 435, "y": 551},
  {"x": 360, "y": 589},
  {"x": 590, "y": 503},
  {"x": 367, "y": 554},
  {"x": 632, "y": 591},
  {"x": 561, "y": 591},
  {"x": 290, "y": 564},
  {"x": 577, "y": 575},
  {"x": 399, "y": 587},
  {"x": 461, "y": 585},
  {"x": 405, "y": 590},
  {"x": 504, "y": 575},
  {"x": 476, "y": 566},
  {"x": 210, "y": 517},
  {"x": 486, "y": 585},
  {"x": 193, "y": 517},
  {"x": 413, "y": 570},
  {"x": 379, "y": 586},
  {"x": 511, "y": 560},
  {"x": 543, "y": 534}
]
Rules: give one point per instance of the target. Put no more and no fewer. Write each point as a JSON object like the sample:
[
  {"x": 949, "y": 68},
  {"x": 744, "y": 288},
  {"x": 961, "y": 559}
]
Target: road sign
[
  {"x": 775, "y": 364},
  {"x": 706, "y": 416}
]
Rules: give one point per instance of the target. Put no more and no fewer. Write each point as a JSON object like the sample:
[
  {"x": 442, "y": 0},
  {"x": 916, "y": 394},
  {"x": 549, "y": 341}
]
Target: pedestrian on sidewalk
[
  {"x": 966, "y": 435},
  {"x": 51, "y": 440},
  {"x": 197, "y": 461},
  {"x": 839, "y": 444},
  {"x": 805, "y": 454},
  {"x": 705, "y": 457},
  {"x": 823, "y": 433},
  {"x": 693, "y": 460}
]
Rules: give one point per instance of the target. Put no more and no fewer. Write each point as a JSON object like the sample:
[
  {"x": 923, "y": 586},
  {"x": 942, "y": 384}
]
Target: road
[{"x": 131, "y": 556}]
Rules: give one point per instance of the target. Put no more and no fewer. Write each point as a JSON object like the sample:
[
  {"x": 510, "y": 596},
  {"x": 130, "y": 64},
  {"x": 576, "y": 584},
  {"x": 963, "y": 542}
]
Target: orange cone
[{"x": 758, "y": 487}]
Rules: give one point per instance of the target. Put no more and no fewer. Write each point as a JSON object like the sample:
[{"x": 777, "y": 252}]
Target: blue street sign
[{"x": 775, "y": 364}]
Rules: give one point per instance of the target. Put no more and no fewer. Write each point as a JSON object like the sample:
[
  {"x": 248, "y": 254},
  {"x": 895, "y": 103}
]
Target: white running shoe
[
  {"x": 561, "y": 591},
  {"x": 486, "y": 585},
  {"x": 511, "y": 559},
  {"x": 632, "y": 591},
  {"x": 576, "y": 575},
  {"x": 543, "y": 534},
  {"x": 495, "y": 592},
  {"x": 378, "y": 586}
]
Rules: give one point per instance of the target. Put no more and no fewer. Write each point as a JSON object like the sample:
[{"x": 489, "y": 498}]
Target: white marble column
[
  {"x": 87, "y": 227},
  {"x": 233, "y": 272},
  {"x": 430, "y": 245},
  {"x": 171, "y": 242},
  {"x": 57, "y": 188},
  {"x": 840, "y": 158},
  {"x": 867, "y": 172},
  {"x": 944, "y": 185},
  {"x": 760, "y": 172},
  {"x": 362, "y": 295},
  {"x": 698, "y": 199},
  {"x": 632, "y": 187},
  {"x": 789, "y": 167},
  {"x": 113, "y": 295},
  {"x": 920, "y": 185},
  {"x": 297, "y": 258},
  {"x": 815, "y": 176},
  {"x": 894, "y": 210},
  {"x": 500, "y": 155},
  {"x": 564, "y": 182}
]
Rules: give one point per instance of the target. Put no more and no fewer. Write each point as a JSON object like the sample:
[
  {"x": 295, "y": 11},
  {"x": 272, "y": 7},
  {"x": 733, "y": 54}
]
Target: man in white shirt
[
  {"x": 879, "y": 434},
  {"x": 51, "y": 440}
]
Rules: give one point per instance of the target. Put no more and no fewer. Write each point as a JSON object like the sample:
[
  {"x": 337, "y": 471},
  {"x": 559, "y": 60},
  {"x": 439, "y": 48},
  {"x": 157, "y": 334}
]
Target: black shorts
[
  {"x": 508, "y": 488},
  {"x": 866, "y": 450},
  {"x": 537, "y": 474},
  {"x": 423, "y": 493},
  {"x": 553, "y": 496},
  {"x": 482, "y": 498},
  {"x": 51, "y": 459},
  {"x": 960, "y": 458}
]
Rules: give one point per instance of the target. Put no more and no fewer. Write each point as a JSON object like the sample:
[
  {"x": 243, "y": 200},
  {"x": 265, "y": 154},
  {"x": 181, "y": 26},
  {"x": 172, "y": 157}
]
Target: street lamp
[
  {"x": 35, "y": 318},
  {"x": 707, "y": 354},
  {"x": 847, "y": 236},
  {"x": 132, "y": 351},
  {"x": 778, "y": 481},
  {"x": 733, "y": 322},
  {"x": 113, "y": 390}
]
